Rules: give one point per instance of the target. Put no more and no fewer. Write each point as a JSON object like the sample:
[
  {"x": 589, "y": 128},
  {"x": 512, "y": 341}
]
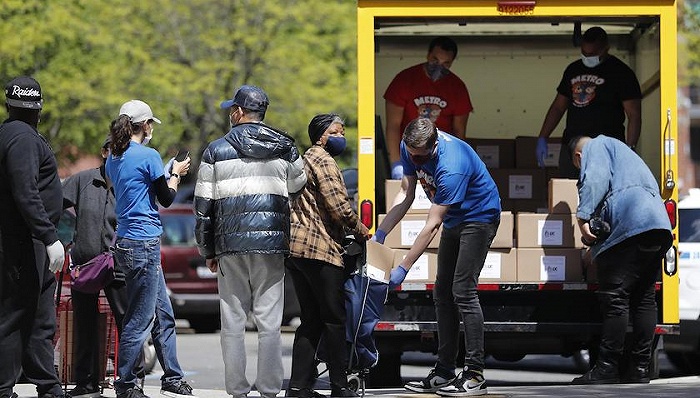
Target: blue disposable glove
[
  {"x": 168, "y": 168},
  {"x": 397, "y": 276},
  {"x": 379, "y": 236},
  {"x": 397, "y": 170},
  {"x": 541, "y": 151}
]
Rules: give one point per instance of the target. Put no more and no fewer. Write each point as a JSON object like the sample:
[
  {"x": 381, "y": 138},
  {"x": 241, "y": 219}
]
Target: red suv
[{"x": 192, "y": 287}]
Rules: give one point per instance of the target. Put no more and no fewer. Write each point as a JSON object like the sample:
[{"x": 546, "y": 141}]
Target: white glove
[{"x": 56, "y": 256}]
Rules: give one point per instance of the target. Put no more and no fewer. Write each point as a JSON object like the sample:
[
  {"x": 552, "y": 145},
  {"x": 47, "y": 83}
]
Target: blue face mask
[{"x": 335, "y": 145}]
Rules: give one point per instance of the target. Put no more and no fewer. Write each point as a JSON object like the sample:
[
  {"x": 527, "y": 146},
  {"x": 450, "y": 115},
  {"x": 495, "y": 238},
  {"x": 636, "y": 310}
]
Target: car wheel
[{"x": 149, "y": 356}]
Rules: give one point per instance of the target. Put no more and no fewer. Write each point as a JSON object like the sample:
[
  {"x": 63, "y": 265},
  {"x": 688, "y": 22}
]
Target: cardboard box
[
  {"x": 525, "y": 205},
  {"x": 380, "y": 260},
  {"x": 525, "y": 152},
  {"x": 421, "y": 203},
  {"x": 495, "y": 153},
  {"x": 520, "y": 183},
  {"x": 423, "y": 270},
  {"x": 549, "y": 265},
  {"x": 500, "y": 266},
  {"x": 563, "y": 196},
  {"x": 405, "y": 232},
  {"x": 504, "y": 235},
  {"x": 547, "y": 230}
]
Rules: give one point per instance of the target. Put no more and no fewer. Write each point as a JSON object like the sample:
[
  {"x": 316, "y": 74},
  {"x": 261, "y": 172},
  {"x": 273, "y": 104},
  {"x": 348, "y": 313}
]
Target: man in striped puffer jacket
[{"x": 242, "y": 207}]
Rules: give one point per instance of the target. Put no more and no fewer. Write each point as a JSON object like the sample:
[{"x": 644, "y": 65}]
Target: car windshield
[
  {"x": 689, "y": 225},
  {"x": 178, "y": 229}
]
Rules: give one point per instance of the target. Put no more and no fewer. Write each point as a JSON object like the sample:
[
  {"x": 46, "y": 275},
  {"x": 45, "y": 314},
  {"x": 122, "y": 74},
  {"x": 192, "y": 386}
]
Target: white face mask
[
  {"x": 590, "y": 62},
  {"x": 147, "y": 138}
]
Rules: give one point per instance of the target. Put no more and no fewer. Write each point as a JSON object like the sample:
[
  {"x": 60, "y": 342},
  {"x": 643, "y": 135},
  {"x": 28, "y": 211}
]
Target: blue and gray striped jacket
[{"x": 242, "y": 194}]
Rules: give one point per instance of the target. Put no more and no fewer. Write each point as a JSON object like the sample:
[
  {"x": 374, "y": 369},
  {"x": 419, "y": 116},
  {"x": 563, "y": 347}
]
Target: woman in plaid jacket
[{"x": 320, "y": 219}]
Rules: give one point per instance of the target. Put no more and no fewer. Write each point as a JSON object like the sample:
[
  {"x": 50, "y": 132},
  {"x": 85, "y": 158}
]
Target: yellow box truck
[{"x": 511, "y": 57}]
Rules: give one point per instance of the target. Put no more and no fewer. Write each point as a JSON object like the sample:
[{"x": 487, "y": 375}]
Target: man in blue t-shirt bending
[{"x": 465, "y": 199}]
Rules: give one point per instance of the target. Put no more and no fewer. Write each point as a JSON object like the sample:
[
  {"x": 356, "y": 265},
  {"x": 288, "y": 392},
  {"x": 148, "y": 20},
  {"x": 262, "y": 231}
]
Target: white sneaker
[
  {"x": 431, "y": 383},
  {"x": 468, "y": 383}
]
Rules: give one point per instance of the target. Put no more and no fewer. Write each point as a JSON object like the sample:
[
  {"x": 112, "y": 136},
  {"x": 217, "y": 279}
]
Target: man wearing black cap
[
  {"x": 30, "y": 199},
  {"x": 242, "y": 206}
]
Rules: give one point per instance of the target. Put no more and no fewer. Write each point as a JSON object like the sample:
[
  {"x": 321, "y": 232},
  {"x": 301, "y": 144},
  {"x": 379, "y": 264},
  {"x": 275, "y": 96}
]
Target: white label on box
[
  {"x": 376, "y": 273},
  {"x": 366, "y": 146},
  {"x": 520, "y": 187},
  {"x": 421, "y": 201},
  {"x": 410, "y": 230},
  {"x": 489, "y": 155},
  {"x": 419, "y": 270},
  {"x": 552, "y": 268},
  {"x": 492, "y": 266},
  {"x": 552, "y": 157},
  {"x": 550, "y": 232}
]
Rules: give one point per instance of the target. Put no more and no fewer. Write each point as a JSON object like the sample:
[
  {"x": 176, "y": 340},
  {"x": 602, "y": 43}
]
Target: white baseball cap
[{"x": 138, "y": 111}]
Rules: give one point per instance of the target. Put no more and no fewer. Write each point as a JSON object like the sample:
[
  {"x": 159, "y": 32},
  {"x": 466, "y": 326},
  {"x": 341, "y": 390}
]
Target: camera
[{"x": 599, "y": 228}]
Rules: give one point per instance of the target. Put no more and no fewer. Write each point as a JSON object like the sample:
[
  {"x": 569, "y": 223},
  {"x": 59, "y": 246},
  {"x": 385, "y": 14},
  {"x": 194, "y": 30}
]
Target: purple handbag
[{"x": 94, "y": 275}]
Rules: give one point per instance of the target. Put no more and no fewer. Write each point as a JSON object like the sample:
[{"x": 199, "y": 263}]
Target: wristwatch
[{"x": 176, "y": 176}]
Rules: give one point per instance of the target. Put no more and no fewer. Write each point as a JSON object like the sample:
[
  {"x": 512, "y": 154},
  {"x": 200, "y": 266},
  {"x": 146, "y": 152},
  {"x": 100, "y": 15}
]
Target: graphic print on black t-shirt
[
  {"x": 583, "y": 89},
  {"x": 427, "y": 181}
]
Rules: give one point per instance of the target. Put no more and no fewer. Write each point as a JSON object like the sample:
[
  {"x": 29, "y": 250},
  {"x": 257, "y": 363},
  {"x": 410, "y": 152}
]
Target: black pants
[
  {"x": 27, "y": 317},
  {"x": 321, "y": 293},
  {"x": 85, "y": 322},
  {"x": 627, "y": 274}
]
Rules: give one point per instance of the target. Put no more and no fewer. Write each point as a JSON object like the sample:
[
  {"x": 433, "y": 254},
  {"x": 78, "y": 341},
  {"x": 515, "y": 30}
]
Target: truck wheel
[{"x": 387, "y": 373}]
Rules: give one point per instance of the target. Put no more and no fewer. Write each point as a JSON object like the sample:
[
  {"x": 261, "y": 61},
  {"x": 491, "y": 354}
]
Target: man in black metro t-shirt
[{"x": 596, "y": 92}]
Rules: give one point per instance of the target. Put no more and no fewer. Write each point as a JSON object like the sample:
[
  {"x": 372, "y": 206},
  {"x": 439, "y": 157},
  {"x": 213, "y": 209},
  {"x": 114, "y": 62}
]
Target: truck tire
[{"x": 387, "y": 373}]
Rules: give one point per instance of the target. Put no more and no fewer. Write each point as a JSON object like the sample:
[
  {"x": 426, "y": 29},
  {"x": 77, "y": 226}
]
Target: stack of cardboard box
[{"x": 538, "y": 239}]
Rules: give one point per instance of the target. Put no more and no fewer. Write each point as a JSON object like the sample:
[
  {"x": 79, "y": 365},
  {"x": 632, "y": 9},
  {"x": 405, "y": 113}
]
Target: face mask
[
  {"x": 590, "y": 62},
  {"x": 420, "y": 160},
  {"x": 147, "y": 138},
  {"x": 335, "y": 145},
  {"x": 436, "y": 71}
]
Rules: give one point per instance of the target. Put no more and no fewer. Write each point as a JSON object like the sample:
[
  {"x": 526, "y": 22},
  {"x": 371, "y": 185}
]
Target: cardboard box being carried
[
  {"x": 549, "y": 265},
  {"x": 380, "y": 260},
  {"x": 421, "y": 203},
  {"x": 500, "y": 266},
  {"x": 563, "y": 196},
  {"x": 423, "y": 270},
  {"x": 547, "y": 230},
  {"x": 405, "y": 232}
]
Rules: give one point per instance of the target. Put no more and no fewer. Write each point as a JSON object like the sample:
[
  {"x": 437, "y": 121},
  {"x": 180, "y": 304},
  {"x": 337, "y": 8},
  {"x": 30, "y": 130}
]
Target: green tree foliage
[
  {"x": 183, "y": 58},
  {"x": 689, "y": 42}
]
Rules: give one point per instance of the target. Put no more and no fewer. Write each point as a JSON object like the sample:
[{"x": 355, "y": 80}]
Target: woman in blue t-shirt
[{"x": 137, "y": 174}]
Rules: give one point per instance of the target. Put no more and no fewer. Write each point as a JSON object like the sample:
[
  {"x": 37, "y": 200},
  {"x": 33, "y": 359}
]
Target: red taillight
[
  {"x": 367, "y": 213},
  {"x": 671, "y": 211}
]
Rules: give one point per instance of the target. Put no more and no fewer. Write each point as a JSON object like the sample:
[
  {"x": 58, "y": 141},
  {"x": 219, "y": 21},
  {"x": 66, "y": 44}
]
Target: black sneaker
[
  {"x": 84, "y": 391},
  {"x": 433, "y": 382},
  {"x": 13, "y": 395},
  {"x": 469, "y": 383},
  {"x": 177, "y": 390},
  {"x": 303, "y": 393},
  {"x": 132, "y": 393}
]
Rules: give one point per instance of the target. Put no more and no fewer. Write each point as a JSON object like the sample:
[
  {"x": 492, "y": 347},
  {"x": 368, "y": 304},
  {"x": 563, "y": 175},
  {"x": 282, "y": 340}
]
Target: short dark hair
[
  {"x": 420, "y": 133},
  {"x": 574, "y": 143},
  {"x": 596, "y": 35},
  {"x": 445, "y": 43}
]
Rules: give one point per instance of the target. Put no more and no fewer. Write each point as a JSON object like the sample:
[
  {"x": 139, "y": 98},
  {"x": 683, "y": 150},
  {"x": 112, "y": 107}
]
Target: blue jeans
[
  {"x": 461, "y": 257},
  {"x": 149, "y": 311}
]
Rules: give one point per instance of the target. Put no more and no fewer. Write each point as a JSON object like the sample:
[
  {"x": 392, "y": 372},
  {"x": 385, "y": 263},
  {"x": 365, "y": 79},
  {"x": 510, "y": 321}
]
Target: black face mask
[{"x": 420, "y": 160}]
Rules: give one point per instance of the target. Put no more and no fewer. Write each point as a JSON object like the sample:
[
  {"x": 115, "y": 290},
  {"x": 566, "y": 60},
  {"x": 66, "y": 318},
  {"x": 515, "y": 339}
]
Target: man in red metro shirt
[{"x": 427, "y": 90}]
